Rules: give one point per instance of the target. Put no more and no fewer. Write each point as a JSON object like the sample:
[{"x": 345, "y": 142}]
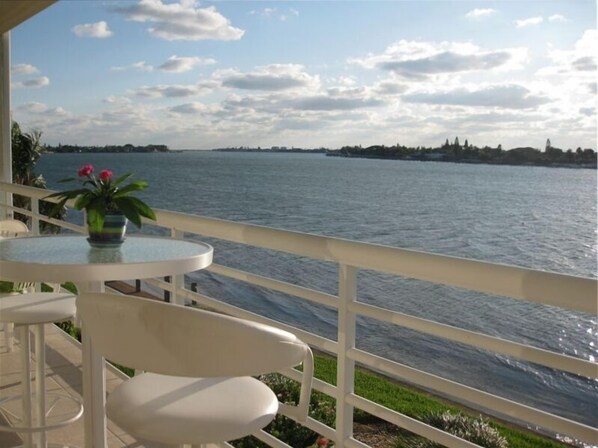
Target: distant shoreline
[{"x": 552, "y": 158}]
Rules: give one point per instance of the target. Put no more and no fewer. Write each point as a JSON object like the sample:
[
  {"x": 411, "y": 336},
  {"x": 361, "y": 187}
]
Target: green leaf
[
  {"x": 127, "y": 206},
  {"x": 135, "y": 186},
  {"x": 83, "y": 200},
  {"x": 57, "y": 208},
  {"x": 96, "y": 211},
  {"x": 121, "y": 179},
  {"x": 143, "y": 209}
]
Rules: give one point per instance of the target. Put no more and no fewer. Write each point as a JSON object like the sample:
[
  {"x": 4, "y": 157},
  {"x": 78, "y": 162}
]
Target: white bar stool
[{"x": 25, "y": 311}]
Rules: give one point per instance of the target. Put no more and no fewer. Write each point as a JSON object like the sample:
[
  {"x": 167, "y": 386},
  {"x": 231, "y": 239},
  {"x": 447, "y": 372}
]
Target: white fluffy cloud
[
  {"x": 274, "y": 77},
  {"x": 418, "y": 60},
  {"x": 181, "y": 21},
  {"x": 522, "y": 23},
  {"x": 32, "y": 83},
  {"x": 557, "y": 18},
  {"x": 175, "y": 90},
  {"x": 24, "y": 69},
  {"x": 98, "y": 30},
  {"x": 480, "y": 13},
  {"x": 141, "y": 66},
  {"x": 41, "y": 108},
  {"x": 509, "y": 96},
  {"x": 179, "y": 64}
]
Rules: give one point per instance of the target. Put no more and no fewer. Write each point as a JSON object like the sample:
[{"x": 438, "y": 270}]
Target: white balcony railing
[{"x": 564, "y": 291}]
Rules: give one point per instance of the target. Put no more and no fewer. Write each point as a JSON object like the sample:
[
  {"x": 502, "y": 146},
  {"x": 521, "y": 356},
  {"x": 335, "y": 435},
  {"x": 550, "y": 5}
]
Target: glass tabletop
[
  {"x": 62, "y": 258},
  {"x": 76, "y": 250}
]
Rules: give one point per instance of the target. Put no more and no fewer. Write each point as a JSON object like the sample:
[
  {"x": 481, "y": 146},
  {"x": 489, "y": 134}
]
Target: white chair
[
  {"x": 37, "y": 309},
  {"x": 198, "y": 387},
  {"x": 10, "y": 228}
]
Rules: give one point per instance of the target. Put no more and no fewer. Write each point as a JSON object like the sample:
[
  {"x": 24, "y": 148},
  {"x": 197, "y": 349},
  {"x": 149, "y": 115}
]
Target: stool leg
[
  {"x": 26, "y": 382},
  {"x": 40, "y": 382}
]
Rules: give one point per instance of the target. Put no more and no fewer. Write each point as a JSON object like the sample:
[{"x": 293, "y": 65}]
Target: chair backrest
[
  {"x": 175, "y": 340},
  {"x": 12, "y": 227}
]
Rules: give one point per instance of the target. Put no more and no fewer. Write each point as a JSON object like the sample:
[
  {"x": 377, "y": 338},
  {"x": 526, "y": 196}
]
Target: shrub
[
  {"x": 287, "y": 391},
  {"x": 475, "y": 430}
]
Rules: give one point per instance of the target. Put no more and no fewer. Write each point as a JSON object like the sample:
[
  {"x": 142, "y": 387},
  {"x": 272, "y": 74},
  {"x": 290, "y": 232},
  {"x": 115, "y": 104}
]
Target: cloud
[
  {"x": 327, "y": 103},
  {"x": 480, "y": 13},
  {"x": 587, "y": 111},
  {"x": 190, "y": 108},
  {"x": 181, "y": 21},
  {"x": 141, "y": 66},
  {"x": 388, "y": 88},
  {"x": 446, "y": 62},
  {"x": 577, "y": 62},
  {"x": 274, "y": 77},
  {"x": 178, "y": 64},
  {"x": 529, "y": 22},
  {"x": 417, "y": 60},
  {"x": 41, "y": 108},
  {"x": 32, "y": 83},
  {"x": 511, "y": 96},
  {"x": 24, "y": 69},
  {"x": 97, "y": 30},
  {"x": 175, "y": 90},
  {"x": 116, "y": 100},
  {"x": 557, "y": 18},
  {"x": 584, "y": 64}
]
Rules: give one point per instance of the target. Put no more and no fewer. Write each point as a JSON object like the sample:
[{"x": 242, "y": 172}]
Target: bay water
[{"x": 536, "y": 217}]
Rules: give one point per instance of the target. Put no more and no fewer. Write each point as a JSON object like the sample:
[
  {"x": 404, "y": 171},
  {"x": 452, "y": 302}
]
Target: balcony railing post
[
  {"x": 347, "y": 293},
  {"x": 178, "y": 281},
  {"x": 35, "y": 218}
]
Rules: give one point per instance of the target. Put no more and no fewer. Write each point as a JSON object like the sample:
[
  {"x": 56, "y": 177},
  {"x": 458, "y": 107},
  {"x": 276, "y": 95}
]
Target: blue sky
[{"x": 200, "y": 75}]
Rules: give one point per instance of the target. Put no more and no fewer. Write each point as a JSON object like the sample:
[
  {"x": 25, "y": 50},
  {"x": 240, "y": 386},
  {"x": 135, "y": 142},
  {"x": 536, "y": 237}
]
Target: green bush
[
  {"x": 287, "y": 391},
  {"x": 475, "y": 430}
]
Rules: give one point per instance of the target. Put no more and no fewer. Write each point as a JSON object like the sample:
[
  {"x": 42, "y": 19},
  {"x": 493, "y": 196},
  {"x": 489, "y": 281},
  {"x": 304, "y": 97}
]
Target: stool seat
[
  {"x": 37, "y": 308},
  {"x": 176, "y": 410}
]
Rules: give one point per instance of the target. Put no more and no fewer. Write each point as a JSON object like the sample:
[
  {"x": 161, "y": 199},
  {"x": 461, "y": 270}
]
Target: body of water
[{"x": 536, "y": 217}]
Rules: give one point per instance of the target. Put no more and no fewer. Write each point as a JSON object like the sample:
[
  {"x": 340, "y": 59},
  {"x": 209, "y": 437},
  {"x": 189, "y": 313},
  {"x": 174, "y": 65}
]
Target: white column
[
  {"x": 5, "y": 123},
  {"x": 345, "y": 376}
]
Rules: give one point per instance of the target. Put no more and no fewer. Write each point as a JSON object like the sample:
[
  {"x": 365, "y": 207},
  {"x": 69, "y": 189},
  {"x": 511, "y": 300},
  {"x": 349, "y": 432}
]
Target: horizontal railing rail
[{"x": 548, "y": 288}]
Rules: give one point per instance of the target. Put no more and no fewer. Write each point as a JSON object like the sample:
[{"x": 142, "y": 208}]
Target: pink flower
[
  {"x": 105, "y": 175},
  {"x": 85, "y": 170},
  {"x": 322, "y": 442}
]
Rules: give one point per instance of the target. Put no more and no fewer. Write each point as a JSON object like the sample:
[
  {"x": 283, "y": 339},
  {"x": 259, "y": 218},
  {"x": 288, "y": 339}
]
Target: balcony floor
[{"x": 63, "y": 375}]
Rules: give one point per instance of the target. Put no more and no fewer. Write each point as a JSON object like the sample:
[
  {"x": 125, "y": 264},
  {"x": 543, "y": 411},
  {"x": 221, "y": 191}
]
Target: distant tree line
[
  {"x": 467, "y": 153},
  {"x": 108, "y": 148}
]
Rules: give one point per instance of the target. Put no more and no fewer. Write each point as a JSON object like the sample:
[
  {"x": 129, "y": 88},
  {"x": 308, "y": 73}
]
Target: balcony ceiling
[{"x": 14, "y": 12}]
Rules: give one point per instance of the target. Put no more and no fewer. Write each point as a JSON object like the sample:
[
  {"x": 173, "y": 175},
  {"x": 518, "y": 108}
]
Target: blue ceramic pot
[{"x": 112, "y": 234}]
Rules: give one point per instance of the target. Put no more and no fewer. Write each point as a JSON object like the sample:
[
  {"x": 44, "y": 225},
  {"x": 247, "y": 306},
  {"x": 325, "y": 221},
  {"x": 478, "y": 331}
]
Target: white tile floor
[{"x": 63, "y": 375}]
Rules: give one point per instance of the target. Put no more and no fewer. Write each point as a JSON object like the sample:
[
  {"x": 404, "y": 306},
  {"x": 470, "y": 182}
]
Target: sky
[{"x": 202, "y": 75}]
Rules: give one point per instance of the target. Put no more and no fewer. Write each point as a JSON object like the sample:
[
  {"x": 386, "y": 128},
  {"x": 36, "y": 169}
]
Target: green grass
[{"x": 414, "y": 403}]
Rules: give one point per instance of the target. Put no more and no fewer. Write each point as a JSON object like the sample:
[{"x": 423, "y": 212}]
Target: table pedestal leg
[{"x": 94, "y": 384}]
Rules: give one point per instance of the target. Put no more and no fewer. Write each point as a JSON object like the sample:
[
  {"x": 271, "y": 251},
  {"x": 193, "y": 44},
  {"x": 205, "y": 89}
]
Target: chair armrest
[{"x": 300, "y": 412}]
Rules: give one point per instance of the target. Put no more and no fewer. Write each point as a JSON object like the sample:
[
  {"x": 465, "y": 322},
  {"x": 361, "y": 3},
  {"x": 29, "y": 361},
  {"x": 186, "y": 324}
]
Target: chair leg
[{"x": 26, "y": 382}]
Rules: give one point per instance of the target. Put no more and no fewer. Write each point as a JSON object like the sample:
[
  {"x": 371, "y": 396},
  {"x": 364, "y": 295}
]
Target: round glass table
[{"x": 58, "y": 259}]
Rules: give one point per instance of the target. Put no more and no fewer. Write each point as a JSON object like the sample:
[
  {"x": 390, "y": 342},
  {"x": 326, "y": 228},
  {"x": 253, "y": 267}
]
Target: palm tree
[{"x": 26, "y": 151}]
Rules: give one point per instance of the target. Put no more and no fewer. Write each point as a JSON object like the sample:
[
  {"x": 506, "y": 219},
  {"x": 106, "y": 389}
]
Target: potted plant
[{"x": 108, "y": 205}]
